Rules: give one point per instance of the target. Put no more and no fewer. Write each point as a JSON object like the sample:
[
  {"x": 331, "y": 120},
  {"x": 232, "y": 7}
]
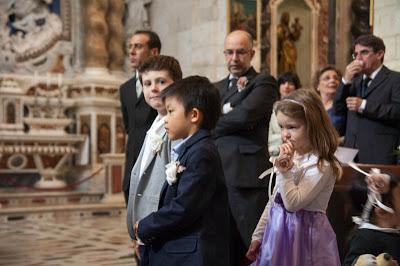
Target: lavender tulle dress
[{"x": 301, "y": 238}]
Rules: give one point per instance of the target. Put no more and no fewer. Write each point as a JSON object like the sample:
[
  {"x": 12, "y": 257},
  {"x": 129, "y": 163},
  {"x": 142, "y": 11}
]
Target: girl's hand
[
  {"x": 253, "y": 250},
  {"x": 284, "y": 162}
]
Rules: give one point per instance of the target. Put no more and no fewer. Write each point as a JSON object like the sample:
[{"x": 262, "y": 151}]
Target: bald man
[{"x": 241, "y": 136}]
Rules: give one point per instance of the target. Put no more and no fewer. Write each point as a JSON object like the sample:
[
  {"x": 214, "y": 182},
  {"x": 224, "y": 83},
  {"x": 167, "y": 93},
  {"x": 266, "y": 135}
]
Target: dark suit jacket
[
  {"x": 138, "y": 117},
  {"x": 242, "y": 134},
  {"x": 375, "y": 132},
  {"x": 192, "y": 223}
]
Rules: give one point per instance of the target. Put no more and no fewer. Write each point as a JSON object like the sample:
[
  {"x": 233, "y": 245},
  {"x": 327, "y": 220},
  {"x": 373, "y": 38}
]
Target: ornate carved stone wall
[{"x": 387, "y": 26}]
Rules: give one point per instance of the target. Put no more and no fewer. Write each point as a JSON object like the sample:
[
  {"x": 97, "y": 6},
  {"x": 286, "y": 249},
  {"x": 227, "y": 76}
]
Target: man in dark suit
[
  {"x": 370, "y": 95},
  {"x": 137, "y": 114},
  {"x": 241, "y": 136}
]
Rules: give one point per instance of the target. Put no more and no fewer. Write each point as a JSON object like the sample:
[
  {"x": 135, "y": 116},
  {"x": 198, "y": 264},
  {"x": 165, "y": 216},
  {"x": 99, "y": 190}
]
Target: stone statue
[
  {"x": 103, "y": 139},
  {"x": 120, "y": 137},
  {"x": 138, "y": 18},
  {"x": 287, "y": 54}
]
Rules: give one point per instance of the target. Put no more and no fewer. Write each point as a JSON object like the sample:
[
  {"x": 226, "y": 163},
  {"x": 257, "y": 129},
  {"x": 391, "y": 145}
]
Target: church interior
[{"x": 62, "y": 137}]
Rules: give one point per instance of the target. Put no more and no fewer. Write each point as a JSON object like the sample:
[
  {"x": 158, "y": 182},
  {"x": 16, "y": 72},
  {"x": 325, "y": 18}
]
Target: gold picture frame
[{"x": 245, "y": 15}]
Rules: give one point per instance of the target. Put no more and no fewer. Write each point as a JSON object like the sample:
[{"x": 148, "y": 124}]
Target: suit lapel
[
  {"x": 382, "y": 75},
  {"x": 137, "y": 100},
  {"x": 228, "y": 95},
  {"x": 251, "y": 73},
  {"x": 153, "y": 155},
  {"x": 182, "y": 159},
  {"x": 224, "y": 89}
]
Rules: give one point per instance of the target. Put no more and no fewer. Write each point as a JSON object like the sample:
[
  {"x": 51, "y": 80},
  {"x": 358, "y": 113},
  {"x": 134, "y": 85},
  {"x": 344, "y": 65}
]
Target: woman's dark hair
[{"x": 289, "y": 77}]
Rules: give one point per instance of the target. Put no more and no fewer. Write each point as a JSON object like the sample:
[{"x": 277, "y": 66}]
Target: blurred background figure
[
  {"x": 326, "y": 82},
  {"x": 287, "y": 82}
]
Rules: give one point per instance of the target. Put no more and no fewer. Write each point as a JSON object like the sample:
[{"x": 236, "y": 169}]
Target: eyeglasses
[
  {"x": 239, "y": 52},
  {"x": 136, "y": 46},
  {"x": 362, "y": 53}
]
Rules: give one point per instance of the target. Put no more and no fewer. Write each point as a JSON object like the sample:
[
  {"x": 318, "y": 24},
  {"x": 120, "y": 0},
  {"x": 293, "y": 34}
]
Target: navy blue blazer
[
  {"x": 191, "y": 226},
  {"x": 375, "y": 132}
]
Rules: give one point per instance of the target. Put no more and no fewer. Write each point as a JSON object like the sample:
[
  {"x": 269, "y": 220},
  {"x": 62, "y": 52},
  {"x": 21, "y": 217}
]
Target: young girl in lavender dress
[{"x": 294, "y": 229}]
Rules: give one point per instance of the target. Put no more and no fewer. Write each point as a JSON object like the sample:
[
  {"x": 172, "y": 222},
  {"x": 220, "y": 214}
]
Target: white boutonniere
[
  {"x": 173, "y": 168},
  {"x": 156, "y": 142},
  {"x": 242, "y": 82}
]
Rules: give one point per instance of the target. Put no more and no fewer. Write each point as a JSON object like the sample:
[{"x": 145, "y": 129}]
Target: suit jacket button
[{"x": 139, "y": 195}]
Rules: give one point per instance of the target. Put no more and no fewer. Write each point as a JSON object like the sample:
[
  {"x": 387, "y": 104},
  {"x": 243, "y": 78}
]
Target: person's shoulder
[
  {"x": 368, "y": 235},
  {"x": 127, "y": 84},
  {"x": 264, "y": 77},
  {"x": 220, "y": 83},
  {"x": 203, "y": 147},
  {"x": 394, "y": 74}
]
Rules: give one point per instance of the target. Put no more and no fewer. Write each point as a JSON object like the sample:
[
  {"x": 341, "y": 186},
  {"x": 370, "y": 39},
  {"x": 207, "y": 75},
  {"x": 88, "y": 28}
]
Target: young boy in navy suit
[{"x": 192, "y": 222}]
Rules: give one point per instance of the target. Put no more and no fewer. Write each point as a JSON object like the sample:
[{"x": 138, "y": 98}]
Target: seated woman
[
  {"x": 287, "y": 83},
  {"x": 326, "y": 82}
]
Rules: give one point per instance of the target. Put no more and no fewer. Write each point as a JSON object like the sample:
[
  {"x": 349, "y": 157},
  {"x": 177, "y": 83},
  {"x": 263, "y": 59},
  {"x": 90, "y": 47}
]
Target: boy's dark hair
[
  {"x": 289, "y": 77},
  {"x": 372, "y": 41},
  {"x": 161, "y": 63},
  {"x": 154, "y": 40},
  {"x": 197, "y": 92}
]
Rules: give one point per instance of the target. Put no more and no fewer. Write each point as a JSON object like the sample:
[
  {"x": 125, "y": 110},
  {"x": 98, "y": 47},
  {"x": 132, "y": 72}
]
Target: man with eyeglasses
[
  {"x": 370, "y": 96},
  {"x": 241, "y": 136},
  {"x": 136, "y": 113}
]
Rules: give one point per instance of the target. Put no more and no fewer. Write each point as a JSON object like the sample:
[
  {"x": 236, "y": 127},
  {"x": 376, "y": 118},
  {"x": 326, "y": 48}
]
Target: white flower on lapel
[
  {"x": 156, "y": 142},
  {"x": 242, "y": 82},
  {"x": 173, "y": 168}
]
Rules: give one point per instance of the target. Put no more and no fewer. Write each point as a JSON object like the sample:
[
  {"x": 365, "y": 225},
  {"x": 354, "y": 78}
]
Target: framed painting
[{"x": 245, "y": 15}]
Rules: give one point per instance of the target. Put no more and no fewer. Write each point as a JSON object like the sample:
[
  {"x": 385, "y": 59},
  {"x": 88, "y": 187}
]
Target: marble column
[
  {"x": 115, "y": 44},
  {"x": 96, "y": 33}
]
